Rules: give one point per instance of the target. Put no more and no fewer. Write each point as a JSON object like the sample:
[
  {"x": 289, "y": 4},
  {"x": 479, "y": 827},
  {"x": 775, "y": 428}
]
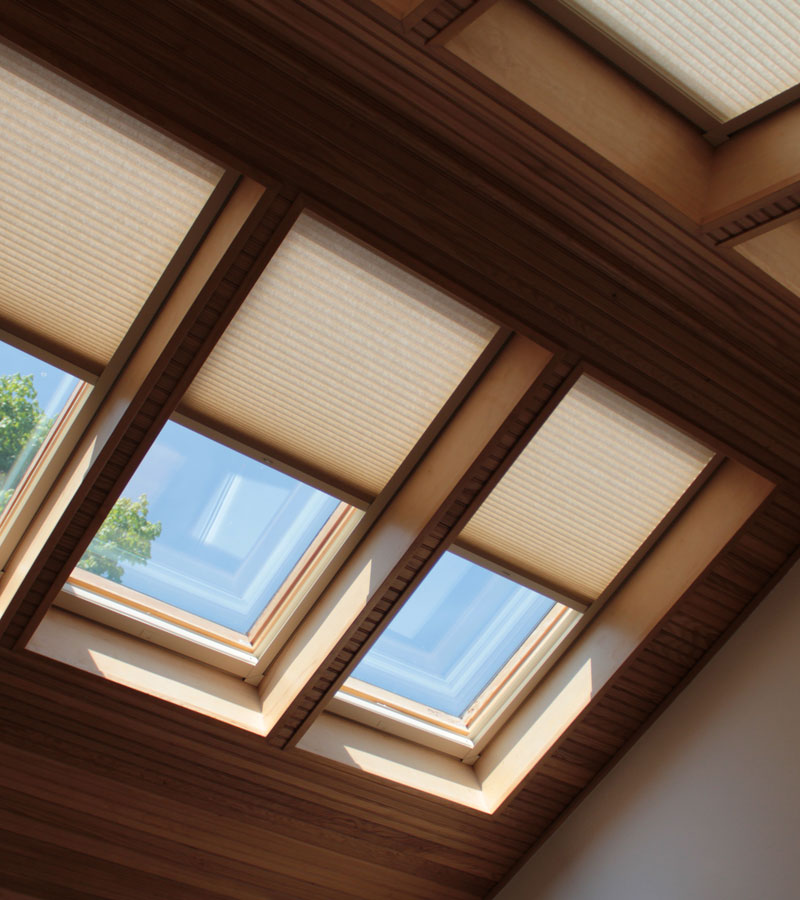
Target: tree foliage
[
  {"x": 126, "y": 534},
  {"x": 23, "y": 426}
]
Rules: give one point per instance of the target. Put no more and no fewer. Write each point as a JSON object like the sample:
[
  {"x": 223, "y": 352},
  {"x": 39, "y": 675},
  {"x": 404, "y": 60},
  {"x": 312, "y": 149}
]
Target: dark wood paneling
[{"x": 123, "y": 784}]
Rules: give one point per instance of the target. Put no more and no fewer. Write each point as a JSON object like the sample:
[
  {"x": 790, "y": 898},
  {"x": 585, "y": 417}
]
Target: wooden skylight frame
[{"x": 715, "y": 128}]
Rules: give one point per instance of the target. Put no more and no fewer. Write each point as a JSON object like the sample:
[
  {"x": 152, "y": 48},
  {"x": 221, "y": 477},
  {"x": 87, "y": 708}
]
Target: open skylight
[
  {"x": 93, "y": 205},
  {"x": 338, "y": 360},
  {"x": 597, "y": 478},
  {"x": 208, "y": 530},
  {"x": 728, "y": 55}
]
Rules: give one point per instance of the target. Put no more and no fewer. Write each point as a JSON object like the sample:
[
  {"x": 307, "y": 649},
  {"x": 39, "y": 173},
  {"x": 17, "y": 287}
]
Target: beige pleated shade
[
  {"x": 586, "y": 492},
  {"x": 93, "y": 205},
  {"x": 730, "y": 55},
  {"x": 338, "y": 359}
]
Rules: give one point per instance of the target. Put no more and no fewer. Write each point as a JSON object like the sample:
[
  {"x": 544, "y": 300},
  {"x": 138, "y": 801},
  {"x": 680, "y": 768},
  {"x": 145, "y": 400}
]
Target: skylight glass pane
[
  {"x": 338, "y": 359},
  {"x": 453, "y": 635},
  {"x": 207, "y": 529},
  {"x": 93, "y": 205},
  {"x": 587, "y": 491},
  {"x": 730, "y": 55},
  {"x": 33, "y": 394}
]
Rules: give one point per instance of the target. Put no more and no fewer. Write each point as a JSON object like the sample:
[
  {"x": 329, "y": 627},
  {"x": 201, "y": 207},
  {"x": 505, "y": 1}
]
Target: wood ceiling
[{"x": 108, "y": 793}]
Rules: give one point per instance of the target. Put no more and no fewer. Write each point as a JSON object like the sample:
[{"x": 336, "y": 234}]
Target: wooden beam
[{"x": 754, "y": 170}]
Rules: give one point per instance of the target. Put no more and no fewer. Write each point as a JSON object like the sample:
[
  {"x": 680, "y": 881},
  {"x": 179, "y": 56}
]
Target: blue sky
[
  {"x": 232, "y": 528},
  {"x": 52, "y": 385},
  {"x": 453, "y": 635}
]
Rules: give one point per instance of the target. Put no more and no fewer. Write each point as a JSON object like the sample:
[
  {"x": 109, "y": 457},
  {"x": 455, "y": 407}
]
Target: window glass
[
  {"x": 33, "y": 394},
  {"x": 207, "y": 529},
  {"x": 453, "y": 635}
]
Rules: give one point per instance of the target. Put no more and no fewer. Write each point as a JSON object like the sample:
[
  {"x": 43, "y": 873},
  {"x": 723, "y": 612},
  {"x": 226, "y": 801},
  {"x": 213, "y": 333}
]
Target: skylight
[
  {"x": 93, "y": 205},
  {"x": 597, "y": 478},
  {"x": 729, "y": 55},
  {"x": 338, "y": 360},
  {"x": 453, "y": 635},
  {"x": 208, "y": 530}
]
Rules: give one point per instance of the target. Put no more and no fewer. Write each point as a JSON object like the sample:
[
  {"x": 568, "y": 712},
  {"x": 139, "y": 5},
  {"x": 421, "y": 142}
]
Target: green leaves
[
  {"x": 125, "y": 536},
  {"x": 23, "y": 427}
]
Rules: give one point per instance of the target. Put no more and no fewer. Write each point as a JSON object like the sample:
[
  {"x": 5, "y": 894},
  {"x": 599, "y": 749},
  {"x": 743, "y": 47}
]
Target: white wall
[{"x": 707, "y": 803}]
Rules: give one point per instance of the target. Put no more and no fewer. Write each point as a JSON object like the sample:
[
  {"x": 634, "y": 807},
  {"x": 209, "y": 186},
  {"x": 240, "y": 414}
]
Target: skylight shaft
[
  {"x": 729, "y": 55},
  {"x": 207, "y": 530},
  {"x": 452, "y": 636}
]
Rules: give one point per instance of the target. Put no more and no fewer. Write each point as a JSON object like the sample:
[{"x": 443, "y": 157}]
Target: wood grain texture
[{"x": 112, "y": 794}]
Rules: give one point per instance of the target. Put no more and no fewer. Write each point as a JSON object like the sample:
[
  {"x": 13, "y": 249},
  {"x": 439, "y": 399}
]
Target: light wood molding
[
  {"x": 146, "y": 667},
  {"x": 681, "y": 557},
  {"x": 401, "y": 762}
]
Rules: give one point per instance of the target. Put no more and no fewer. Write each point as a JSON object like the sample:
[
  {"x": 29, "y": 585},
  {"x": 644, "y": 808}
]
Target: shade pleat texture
[
  {"x": 729, "y": 55},
  {"x": 93, "y": 205},
  {"x": 587, "y": 491},
  {"x": 338, "y": 359}
]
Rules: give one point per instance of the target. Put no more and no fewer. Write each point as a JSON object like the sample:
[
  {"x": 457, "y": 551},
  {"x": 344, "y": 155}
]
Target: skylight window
[
  {"x": 729, "y": 55},
  {"x": 593, "y": 484},
  {"x": 338, "y": 360},
  {"x": 93, "y": 205},
  {"x": 208, "y": 530},
  {"x": 596, "y": 480},
  {"x": 453, "y": 635}
]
